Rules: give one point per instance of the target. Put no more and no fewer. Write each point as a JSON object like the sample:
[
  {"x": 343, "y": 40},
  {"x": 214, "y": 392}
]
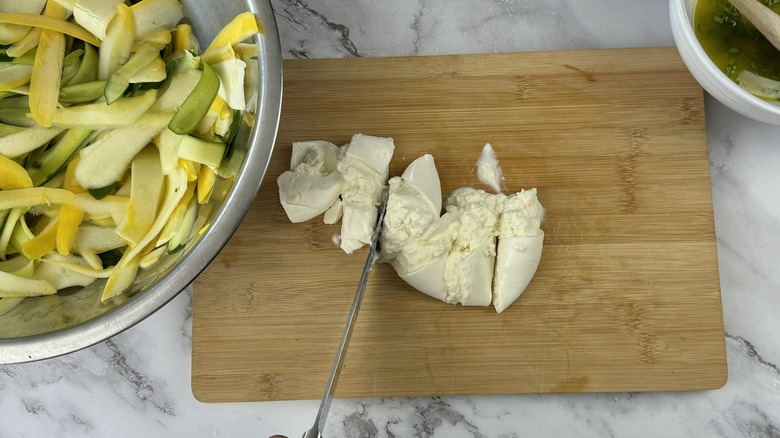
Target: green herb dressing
[{"x": 737, "y": 48}]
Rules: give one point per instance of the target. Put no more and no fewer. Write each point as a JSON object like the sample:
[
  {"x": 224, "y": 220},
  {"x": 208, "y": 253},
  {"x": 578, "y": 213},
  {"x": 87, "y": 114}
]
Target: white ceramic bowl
[{"x": 708, "y": 75}]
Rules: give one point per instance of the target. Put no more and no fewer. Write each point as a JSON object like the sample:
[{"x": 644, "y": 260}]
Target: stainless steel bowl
[{"x": 45, "y": 327}]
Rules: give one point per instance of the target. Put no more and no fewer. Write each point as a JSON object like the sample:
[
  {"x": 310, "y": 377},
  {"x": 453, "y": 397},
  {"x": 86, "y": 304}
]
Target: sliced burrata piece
[
  {"x": 313, "y": 183},
  {"x": 519, "y": 247},
  {"x": 413, "y": 206},
  {"x": 422, "y": 174},
  {"x": 488, "y": 170},
  {"x": 422, "y": 261},
  {"x": 469, "y": 266},
  {"x": 376, "y": 152},
  {"x": 365, "y": 165}
]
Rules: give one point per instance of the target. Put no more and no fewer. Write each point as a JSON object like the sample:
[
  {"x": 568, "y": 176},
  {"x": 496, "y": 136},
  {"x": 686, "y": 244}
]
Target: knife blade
[{"x": 338, "y": 363}]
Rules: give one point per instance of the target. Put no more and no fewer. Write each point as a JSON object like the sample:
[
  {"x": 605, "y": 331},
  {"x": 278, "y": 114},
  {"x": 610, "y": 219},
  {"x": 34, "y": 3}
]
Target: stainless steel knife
[{"x": 338, "y": 363}]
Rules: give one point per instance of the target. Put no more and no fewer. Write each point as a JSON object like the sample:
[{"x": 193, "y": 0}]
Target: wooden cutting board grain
[{"x": 627, "y": 294}]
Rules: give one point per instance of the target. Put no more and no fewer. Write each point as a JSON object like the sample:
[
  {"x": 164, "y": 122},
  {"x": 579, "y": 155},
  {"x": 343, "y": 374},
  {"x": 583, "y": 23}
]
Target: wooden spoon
[{"x": 766, "y": 20}]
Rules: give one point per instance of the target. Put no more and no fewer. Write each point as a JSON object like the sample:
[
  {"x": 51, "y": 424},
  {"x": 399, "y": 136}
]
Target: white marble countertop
[{"x": 138, "y": 383}]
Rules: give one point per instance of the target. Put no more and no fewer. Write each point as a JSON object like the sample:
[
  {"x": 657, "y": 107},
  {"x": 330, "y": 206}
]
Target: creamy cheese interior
[
  {"x": 483, "y": 250},
  {"x": 344, "y": 183},
  {"x": 488, "y": 170},
  {"x": 312, "y": 184},
  {"x": 365, "y": 164}
]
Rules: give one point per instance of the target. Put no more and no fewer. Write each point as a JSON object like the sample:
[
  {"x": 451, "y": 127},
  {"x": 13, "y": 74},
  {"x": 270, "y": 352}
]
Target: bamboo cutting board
[{"x": 627, "y": 294}]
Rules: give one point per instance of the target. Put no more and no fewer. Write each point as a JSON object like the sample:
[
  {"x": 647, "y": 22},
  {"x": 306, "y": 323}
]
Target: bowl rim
[
  {"x": 226, "y": 221},
  {"x": 685, "y": 38}
]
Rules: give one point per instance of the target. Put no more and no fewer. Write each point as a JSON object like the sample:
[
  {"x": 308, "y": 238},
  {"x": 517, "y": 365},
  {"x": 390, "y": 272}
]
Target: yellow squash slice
[
  {"x": 13, "y": 175},
  {"x": 145, "y": 193},
  {"x": 47, "y": 70}
]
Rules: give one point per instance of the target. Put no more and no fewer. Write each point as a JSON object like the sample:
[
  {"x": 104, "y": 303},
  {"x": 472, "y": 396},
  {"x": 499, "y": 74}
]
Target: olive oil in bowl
[{"x": 737, "y": 48}]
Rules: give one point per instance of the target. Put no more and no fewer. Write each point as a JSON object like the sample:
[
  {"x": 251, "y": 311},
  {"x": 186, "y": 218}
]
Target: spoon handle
[{"x": 766, "y": 20}]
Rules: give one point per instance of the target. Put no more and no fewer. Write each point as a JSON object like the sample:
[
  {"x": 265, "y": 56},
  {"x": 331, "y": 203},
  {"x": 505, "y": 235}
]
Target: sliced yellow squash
[
  {"x": 27, "y": 43},
  {"x": 43, "y": 243},
  {"x": 13, "y": 175},
  {"x": 10, "y": 33},
  {"x": 177, "y": 217},
  {"x": 145, "y": 193},
  {"x": 47, "y": 70},
  {"x": 118, "y": 42},
  {"x": 121, "y": 277},
  {"x": 69, "y": 220},
  {"x": 35, "y": 196},
  {"x": 206, "y": 180},
  {"x": 239, "y": 29},
  {"x": 49, "y": 23}
]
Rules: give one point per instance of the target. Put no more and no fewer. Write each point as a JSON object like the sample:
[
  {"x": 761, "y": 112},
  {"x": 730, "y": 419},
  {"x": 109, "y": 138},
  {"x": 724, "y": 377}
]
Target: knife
[{"x": 338, "y": 363}]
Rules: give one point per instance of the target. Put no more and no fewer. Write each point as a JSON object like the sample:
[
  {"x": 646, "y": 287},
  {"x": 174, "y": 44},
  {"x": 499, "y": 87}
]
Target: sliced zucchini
[
  {"x": 98, "y": 239},
  {"x": 201, "y": 151},
  {"x": 178, "y": 241},
  {"x": 118, "y": 42},
  {"x": 231, "y": 78},
  {"x": 10, "y": 129},
  {"x": 14, "y": 76},
  {"x": 60, "y": 276},
  {"x": 22, "y": 142},
  {"x": 56, "y": 157},
  {"x": 82, "y": 92},
  {"x": 125, "y": 111},
  {"x": 176, "y": 91},
  {"x": 105, "y": 161},
  {"x": 102, "y": 192},
  {"x": 87, "y": 71},
  {"x": 120, "y": 80},
  {"x": 173, "y": 225},
  {"x": 197, "y": 104},
  {"x": 151, "y": 73},
  {"x": 12, "y": 218}
]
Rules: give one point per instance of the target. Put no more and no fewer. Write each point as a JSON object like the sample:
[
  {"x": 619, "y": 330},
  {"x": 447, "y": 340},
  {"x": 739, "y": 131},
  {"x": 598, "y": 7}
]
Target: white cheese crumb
[{"x": 488, "y": 170}]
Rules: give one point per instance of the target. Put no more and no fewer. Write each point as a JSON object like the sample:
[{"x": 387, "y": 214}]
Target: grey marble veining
[{"x": 138, "y": 383}]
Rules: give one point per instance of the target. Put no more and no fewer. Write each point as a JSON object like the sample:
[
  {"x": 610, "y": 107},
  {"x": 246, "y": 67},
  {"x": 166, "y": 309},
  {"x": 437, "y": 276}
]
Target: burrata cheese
[{"x": 312, "y": 184}]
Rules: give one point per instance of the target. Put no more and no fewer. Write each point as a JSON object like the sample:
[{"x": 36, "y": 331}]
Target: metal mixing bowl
[{"x": 45, "y": 327}]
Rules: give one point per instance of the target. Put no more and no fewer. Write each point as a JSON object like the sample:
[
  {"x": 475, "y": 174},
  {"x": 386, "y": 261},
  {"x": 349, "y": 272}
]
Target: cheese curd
[
  {"x": 313, "y": 184},
  {"x": 488, "y": 170},
  {"x": 365, "y": 165}
]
